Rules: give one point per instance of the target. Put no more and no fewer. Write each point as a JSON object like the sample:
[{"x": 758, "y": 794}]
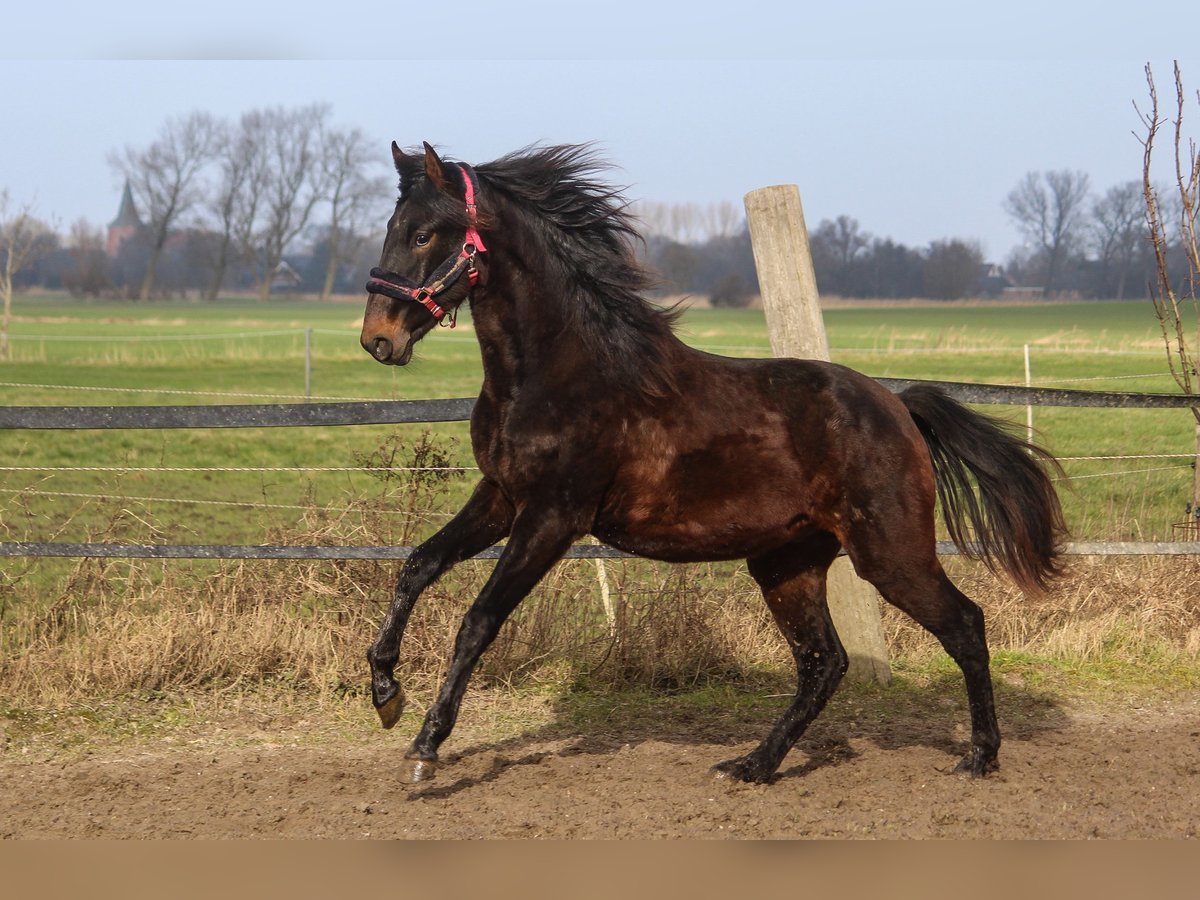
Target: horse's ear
[
  {"x": 435, "y": 169},
  {"x": 407, "y": 167},
  {"x": 404, "y": 162}
]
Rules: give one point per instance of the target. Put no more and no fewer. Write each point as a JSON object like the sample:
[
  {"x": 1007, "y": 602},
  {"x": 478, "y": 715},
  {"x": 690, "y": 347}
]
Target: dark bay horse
[{"x": 595, "y": 419}]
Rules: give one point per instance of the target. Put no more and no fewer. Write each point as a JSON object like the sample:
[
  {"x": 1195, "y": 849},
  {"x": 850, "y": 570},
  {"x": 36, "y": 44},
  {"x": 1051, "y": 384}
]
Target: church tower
[{"x": 125, "y": 225}]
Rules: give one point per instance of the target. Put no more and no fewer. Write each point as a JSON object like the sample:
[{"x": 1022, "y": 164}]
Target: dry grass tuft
[{"x": 1129, "y": 608}]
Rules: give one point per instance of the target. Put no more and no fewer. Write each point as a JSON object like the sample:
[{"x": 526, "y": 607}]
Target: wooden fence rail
[
  {"x": 403, "y": 412},
  {"x": 395, "y": 412}
]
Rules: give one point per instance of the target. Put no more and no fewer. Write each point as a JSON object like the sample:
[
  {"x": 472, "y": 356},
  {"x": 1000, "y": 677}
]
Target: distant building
[
  {"x": 286, "y": 278},
  {"x": 127, "y": 224},
  {"x": 991, "y": 281}
]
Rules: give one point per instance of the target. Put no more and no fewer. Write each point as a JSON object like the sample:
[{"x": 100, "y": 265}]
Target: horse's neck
[
  {"x": 529, "y": 336},
  {"x": 519, "y": 318},
  {"x": 520, "y": 339}
]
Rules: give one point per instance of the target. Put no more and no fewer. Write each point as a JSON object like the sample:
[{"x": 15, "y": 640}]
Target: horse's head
[{"x": 429, "y": 256}]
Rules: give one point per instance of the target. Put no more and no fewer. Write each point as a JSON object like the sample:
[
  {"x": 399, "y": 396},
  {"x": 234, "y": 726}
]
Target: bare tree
[
  {"x": 235, "y": 197},
  {"x": 251, "y": 198},
  {"x": 1118, "y": 232},
  {"x": 1048, "y": 209},
  {"x": 951, "y": 269},
  {"x": 164, "y": 178},
  {"x": 23, "y": 240},
  {"x": 844, "y": 237},
  {"x": 88, "y": 273},
  {"x": 353, "y": 195},
  {"x": 722, "y": 219},
  {"x": 836, "y": 246},
  {"x": 689, "y": 222},
  {"x": 1176, "y": 302},
  {"x": 293, "y": 181},
  {"x": 685, "y": 221},
  {"x": 654, "y": 218}
]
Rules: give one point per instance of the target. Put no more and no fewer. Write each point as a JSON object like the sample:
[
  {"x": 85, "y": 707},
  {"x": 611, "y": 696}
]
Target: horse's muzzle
[{"x": 385, "y": 350}]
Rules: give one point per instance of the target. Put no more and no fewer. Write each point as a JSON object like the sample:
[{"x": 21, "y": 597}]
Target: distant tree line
[
  {"x": 718, "y": 261},
  {"x": 276, "y": 197},
  {"x": 1076, "y": 244},
  {"x": 1082, "y": 244},
  {"x": 284, "y": 198}
]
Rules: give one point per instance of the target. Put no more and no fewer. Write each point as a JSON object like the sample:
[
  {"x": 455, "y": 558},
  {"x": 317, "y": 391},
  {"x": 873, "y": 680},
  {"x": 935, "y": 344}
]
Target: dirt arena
[{"x": 1082, "y": 769}]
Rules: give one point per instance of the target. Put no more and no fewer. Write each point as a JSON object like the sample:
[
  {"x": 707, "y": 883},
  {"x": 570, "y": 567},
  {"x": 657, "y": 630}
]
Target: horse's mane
[{"x": 586, "y": 229}]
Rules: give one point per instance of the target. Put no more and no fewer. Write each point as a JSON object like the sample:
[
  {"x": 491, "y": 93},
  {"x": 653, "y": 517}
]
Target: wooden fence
[{"x": 389, "y": 412}]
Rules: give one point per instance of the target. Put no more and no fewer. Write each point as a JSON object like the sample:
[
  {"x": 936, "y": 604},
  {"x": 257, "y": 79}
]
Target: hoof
[
  {"x": 976, "y": 764},
  {"x": 420, "y": 770},
  {"x": 744, "y": 768},
  {"x": 390, "y": 710}
]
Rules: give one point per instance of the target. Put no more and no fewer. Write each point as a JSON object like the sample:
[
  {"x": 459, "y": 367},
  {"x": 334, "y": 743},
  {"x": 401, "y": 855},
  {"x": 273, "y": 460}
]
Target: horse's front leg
[
  {"x": 486, "y": 518},
  {"x": 538, "y": 541}
]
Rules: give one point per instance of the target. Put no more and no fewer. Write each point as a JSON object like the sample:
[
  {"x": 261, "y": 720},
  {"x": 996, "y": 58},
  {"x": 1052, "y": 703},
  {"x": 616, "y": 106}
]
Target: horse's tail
[{"x": 1016, "y": 517}]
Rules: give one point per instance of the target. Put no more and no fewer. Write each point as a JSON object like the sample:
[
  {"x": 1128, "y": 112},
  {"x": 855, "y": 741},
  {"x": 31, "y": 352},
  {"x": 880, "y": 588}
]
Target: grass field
[
  {"x": 98, "y": 629},
  {"x": 68, "y": 352}
]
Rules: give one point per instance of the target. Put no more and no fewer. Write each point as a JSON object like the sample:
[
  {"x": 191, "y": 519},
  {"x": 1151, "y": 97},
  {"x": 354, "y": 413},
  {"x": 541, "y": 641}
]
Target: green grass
[{"x": 210, "y": 353}]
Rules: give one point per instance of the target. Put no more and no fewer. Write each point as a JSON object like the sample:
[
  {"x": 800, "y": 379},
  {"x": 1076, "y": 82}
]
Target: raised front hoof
[
  {"x": 977, "y": 764},
  {"x": 417, "y": 771},
  {"x": 391, "y": 709},
  {"x": 746, "y": 769}
]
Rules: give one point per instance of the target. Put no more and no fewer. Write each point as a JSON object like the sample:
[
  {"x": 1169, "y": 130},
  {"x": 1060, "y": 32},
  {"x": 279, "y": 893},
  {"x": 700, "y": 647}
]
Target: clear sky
[{"x": 916, "y": 119}]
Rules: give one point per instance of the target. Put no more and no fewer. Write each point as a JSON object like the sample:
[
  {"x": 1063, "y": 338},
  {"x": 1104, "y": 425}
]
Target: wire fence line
[
  {"x": 247, "y": 395},
  {"x": 577, "y": 551},
  {"x": 33, "y": 491},
  {"x": 1050, "y": 379},
  {"x": 157, "y": 338},
  {"x": 764, "y": 347},
  {"x": 79, "y": 495},
  {"x": 1126, "y": 472},
  {"x": 247, "y": 334},
  {"x": 307, "y": 333},
  {"x": 237, "y": 504},
  {"x": 175, "y": 391},
  {"x": 279, "y": 468},
  {"x": 429, "y": 411},
  {"x": 211, "y": 469}
]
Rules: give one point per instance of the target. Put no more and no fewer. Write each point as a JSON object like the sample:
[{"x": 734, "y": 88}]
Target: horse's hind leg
[
  {"x": 793, "y": 583},
  {"x": 925, "y": 592}
]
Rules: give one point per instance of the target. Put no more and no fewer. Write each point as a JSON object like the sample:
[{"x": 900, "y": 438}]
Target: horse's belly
[
  {"x": 732, "y": 494},
  {"x": 711, "y": 531}
]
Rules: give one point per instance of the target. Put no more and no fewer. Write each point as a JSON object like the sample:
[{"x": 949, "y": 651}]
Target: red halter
[{"x": 392, "y": 284}]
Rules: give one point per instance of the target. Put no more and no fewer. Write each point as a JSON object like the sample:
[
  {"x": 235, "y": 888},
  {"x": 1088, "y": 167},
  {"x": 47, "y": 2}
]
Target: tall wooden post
[{"x": 789, "y": 295}]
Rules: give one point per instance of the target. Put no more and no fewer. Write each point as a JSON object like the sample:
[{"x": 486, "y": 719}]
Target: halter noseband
[{"x": 396, "y": 286}]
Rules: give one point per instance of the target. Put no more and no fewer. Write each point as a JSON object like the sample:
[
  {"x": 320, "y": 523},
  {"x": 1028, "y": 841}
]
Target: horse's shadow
[{"x": 933, "y": 715}]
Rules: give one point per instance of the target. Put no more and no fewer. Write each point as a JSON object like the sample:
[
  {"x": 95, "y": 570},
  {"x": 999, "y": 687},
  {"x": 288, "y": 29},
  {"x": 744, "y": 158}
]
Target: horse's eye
[{"x": 421, "y": 238}]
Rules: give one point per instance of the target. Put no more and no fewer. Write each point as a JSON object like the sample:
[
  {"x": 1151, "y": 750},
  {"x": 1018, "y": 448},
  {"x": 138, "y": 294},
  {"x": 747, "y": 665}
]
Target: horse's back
[
  {"x": 754, "y": 454},
  {"x": 820, "y": 403}
]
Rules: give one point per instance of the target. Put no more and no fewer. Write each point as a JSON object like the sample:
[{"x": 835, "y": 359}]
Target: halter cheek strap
[
  {"x": 396, "y": 286},
  {"x": 470, "y": 186}
]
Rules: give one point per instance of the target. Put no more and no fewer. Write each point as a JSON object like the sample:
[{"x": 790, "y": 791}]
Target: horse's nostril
[{"x": 381, "y": 348}]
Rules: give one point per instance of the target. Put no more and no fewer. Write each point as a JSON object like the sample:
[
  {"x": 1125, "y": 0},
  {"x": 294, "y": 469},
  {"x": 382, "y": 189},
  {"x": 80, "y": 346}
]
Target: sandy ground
[{"x": 1121, "y": 769}]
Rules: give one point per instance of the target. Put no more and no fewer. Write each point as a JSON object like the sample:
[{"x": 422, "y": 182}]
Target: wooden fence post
[{"x": 789, "y": 296}]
